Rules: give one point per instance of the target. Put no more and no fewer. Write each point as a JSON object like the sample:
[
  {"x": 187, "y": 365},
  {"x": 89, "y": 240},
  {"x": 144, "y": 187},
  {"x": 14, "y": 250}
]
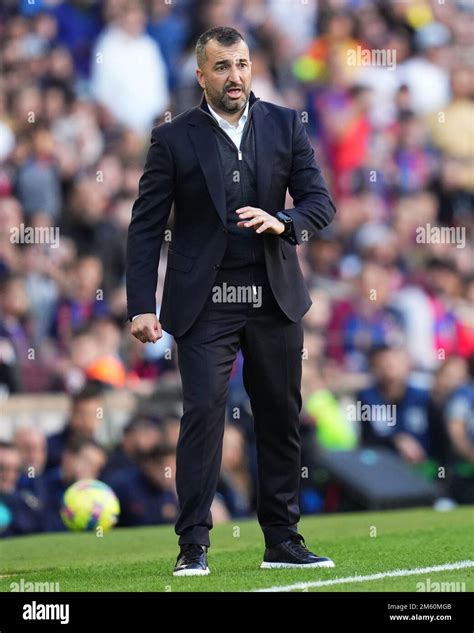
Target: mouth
[{"x": 234, "y": 93}]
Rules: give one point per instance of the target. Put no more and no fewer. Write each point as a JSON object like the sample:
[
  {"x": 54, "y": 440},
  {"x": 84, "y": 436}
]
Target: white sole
[
  {"x": 324, "y": 563},
  {"x": 192, "y": 572}
]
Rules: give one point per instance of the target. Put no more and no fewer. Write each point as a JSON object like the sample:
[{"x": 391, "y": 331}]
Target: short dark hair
[
  {"x": 8, "y": 278},
  {"x": 442, "y": 263},
  {"x": 74, "y": 447},
  {"x": 225, "y": 35},
  {"x": 156, "y": 453},
  {"x": 90, "y": 391},
  {"x": 142, "y": 422},
  {"x": 377, "y": 349},
  {"x": 8, "y": 446}
]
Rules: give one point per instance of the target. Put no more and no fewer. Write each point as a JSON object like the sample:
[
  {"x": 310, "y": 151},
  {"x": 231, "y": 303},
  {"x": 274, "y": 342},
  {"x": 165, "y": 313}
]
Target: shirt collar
[{"x": 225, "y": 124}]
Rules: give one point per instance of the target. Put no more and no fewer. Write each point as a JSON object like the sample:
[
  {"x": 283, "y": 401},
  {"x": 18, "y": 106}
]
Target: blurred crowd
[{"x": 392, "y": 283}]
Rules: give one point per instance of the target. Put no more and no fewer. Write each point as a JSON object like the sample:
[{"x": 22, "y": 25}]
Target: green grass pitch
[{"x": 142, "y": 559}]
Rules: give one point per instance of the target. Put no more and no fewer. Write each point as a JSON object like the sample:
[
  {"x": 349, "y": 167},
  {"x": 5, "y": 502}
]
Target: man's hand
[
  {"x": 262, "y": 221},
  {"x": 146, "y": 328}
]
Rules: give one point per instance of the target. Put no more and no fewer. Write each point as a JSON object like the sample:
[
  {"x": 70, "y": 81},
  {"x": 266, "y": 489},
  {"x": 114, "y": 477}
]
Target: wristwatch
[{"x": 289, "y": 232}]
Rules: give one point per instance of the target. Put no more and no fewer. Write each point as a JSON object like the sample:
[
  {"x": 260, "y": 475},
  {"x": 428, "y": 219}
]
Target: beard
[{"x": 223, "y": 102}]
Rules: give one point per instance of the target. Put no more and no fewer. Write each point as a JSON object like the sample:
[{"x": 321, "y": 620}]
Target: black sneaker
[
  {"x": 293, "y": 553},
  {"x": 191, "y": 561}
]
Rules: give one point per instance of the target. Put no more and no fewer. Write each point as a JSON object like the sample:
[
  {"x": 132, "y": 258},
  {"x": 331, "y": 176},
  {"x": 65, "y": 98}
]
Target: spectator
[
  {"x": 120, "y": 50},
  {"x": 25, "y": 517},
  {"x": 38, "y": 179},
  {"x": 78, "y": 25},
  {"x": 425, "y": 75},
  {"x": 14, "y": 336},
  {"x": 460, "y": 429},
  {"x": 88, "y": 227},
  {"x": 445, "y": 288},
  {"x": 82, "y": 300},
  {"x": 84, "y": 421},
  {"x": 31, "y": 443},
  {"x": 147, "y": 492},
  {"x": 365, "y": 320},
  {"x": 169, "y": 27},
  {"x": 234, "y": 487},
  {"x": 448, "y": 379},
  {"x": 140, "y": 436},
  {"x": 397, "y": 412}
]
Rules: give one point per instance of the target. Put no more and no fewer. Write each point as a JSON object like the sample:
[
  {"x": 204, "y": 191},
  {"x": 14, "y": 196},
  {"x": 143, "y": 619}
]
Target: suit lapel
[
  {"x": 205, "y": 145},
  {"x": 264, "y": 153}
]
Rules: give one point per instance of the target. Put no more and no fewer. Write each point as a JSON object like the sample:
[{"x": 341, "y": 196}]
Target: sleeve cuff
[{"x": 290, "y": 237}]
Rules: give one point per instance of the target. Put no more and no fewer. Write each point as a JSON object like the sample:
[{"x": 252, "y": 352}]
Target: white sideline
[{"x": 385, "y": 574}]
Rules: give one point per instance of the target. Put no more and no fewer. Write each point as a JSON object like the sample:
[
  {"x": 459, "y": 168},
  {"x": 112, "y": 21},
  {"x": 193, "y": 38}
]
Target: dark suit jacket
[{"x": 182, "y": 166}]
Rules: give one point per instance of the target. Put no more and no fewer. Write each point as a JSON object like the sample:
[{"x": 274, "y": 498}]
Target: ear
[{"x": 200, "y": 78}]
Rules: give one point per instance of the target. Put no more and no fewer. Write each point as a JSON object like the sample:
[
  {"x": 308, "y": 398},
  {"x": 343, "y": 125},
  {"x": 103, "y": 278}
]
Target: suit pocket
[{"x": 177, "y": 261}]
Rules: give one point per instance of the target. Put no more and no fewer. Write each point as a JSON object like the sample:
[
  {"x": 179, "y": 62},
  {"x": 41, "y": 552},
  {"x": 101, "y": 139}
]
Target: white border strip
[{"x": 386, "y": 574}]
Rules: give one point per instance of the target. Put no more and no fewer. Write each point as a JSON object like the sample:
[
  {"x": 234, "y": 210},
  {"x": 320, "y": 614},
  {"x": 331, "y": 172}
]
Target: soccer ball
[{"x": 89, "y": 504}]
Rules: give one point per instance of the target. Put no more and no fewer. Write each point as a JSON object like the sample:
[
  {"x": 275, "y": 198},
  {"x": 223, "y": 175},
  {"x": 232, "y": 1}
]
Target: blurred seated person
[
  {"x": 147, "y": 492},
  {"x": 31, "y": 443},
  {"x": 21, "y": 513},
  {"x": 140, "y": 435},
  {"x": 15, "y": 338},
  {"x": 460, "y": 428},
  {"x": 394, "y": 414},
  {"x": 234, "y": 486},
  {"x": 83, "y": 423},
  {"x": 81, "y": 459},
  {"x": 448, "y": 379}
]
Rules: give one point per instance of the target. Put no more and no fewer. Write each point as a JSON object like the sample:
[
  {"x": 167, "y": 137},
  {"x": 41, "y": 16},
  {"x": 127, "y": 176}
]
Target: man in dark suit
[{"x": 232, "y": 282}]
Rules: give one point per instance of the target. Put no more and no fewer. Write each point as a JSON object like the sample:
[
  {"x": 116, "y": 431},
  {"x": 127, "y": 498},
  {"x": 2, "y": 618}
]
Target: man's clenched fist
[{"x": 146, "y": 328}]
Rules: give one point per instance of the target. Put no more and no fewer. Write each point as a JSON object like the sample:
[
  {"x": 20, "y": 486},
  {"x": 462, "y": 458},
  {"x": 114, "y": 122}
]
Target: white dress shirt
[{"x": 233, "y": 131}]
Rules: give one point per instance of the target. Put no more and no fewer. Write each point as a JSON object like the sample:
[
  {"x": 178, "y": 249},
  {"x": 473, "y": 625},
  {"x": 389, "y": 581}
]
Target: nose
[{"x": 234, "y": 75}]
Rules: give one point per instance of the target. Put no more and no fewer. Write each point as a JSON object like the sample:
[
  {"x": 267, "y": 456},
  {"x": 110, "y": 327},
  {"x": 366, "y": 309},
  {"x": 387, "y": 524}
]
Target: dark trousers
[{"x": 271, "y": 347}]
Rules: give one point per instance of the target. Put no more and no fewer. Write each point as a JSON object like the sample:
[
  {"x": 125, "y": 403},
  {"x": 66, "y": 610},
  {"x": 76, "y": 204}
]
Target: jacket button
[{"x": 217, "y": 266}]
